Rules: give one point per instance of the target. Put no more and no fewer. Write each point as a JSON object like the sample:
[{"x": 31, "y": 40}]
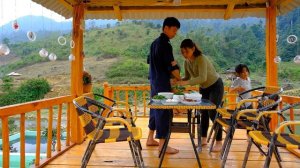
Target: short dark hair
[
  {"x": 188, "y": 43},
  {"x": 171, "y": 21},
  {"x": 239, "y": 68}
]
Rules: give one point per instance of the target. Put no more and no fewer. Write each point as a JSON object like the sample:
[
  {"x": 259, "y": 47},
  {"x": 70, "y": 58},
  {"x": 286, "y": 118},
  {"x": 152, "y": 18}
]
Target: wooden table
[{"x": 184, "y": 127}]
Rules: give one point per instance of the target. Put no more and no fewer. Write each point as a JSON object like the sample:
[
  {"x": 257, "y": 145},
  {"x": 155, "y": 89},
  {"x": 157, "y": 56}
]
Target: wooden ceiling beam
[
  {"x": 173, "y": 8},
  {"x": 229, "y": 9},
  {"x": 118, "y": 12},
  {"x": 282, "y": 2},
  {"x": 66, "y": 4}
]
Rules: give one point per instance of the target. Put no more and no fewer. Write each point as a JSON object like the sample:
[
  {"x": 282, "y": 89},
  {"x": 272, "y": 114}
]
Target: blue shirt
[{"x": 160, "y": 59}]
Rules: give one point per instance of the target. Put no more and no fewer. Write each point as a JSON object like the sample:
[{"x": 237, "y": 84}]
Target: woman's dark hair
[
  {"x": 239, "y": 68},
  {"x": 188, "y": 43},
  {"x": 171, "y": 21}
]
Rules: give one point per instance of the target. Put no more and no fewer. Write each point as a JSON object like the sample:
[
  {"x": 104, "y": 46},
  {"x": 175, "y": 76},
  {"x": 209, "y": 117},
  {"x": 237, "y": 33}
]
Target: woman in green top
[{"x": 200, "y": 71}]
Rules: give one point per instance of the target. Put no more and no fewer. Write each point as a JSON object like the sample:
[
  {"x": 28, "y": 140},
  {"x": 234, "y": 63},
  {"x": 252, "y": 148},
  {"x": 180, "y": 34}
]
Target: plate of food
[
  {"x": 158, "y": 98},
  {"x": 168, "y": 95},
  {"x": 170, "y": 102},
  {"x": 190, "y": 102}
]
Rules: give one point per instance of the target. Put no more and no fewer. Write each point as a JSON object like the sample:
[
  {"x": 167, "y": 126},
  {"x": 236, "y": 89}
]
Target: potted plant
[{"x": 87, "y": 82}]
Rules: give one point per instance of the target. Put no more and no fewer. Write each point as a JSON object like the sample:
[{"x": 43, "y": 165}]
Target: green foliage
[
  {"x": 128, "y": 71},
  {"x": 7, "y": 84},
  {"x": 30, "y": 90}
]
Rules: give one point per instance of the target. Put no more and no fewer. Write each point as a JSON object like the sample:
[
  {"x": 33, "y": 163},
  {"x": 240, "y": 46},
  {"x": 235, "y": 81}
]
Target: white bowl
[
  {"x": 178, "y": 97},
  {"x": 156, "y": 100},
  {"x": 168, "y": 95}
]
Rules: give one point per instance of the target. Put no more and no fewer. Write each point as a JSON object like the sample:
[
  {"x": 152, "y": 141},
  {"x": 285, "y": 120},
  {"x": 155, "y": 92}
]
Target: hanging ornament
[
  {"x": 43, "y": 53},
  {"x": 61, "y": 40},
  {"x": 15, "y": 25},
  {"x": 4, "y": 50},
  {"x": 297, "y": 59},
  {"x": 277, "y": 37},
  {"x": 31, "y": 36},
  {"x": 292, "y": 39},
  {"x": 52, "y": 57},
  {"x": 72, "y": 44},
  {"x": 277, "y": 59},
  {"x": 71, "y": 57}
]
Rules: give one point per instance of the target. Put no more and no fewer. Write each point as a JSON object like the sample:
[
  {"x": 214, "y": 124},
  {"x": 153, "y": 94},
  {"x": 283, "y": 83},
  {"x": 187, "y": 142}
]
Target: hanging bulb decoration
[
  {"x": 61, "y": 40},
  {"x": 277, "y": 59},
  {"x": 297, "y": 59},
  {"x": 72, "y": 44},
  {"x": 31, "y": 36},
  {"x": 43, "y": 53},
  {"x": 4, "y": 50},
  {"x": 71, "y": 57},
  {"x": 52, "y": 57},
  {"x": 15, "y": 25},
  {"x": 292, "y": 39}
]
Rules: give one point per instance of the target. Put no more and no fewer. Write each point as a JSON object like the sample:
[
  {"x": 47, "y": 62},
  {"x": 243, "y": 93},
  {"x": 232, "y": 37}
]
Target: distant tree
[
  {"x": 7, "y": 84},
  {"x": 6, "y": 41}
]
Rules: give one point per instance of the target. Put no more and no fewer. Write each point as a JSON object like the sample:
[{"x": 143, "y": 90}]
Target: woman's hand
[{"x": 181, "y": 83}]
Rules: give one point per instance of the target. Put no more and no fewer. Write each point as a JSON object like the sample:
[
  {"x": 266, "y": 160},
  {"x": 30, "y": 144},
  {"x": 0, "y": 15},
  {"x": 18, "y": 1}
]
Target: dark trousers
[
  {"x": 214, "y": 93},
  {"x": 159, "y": 119}
]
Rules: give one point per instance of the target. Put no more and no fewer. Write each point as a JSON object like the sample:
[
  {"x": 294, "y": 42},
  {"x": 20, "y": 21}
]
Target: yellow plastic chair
[
  {"x": 96, "y": 132},
  {"x": 274, "y": 139}
]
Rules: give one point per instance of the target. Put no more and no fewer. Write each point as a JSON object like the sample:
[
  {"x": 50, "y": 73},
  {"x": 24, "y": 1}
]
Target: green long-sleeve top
[{"x": 200, "y": 72}]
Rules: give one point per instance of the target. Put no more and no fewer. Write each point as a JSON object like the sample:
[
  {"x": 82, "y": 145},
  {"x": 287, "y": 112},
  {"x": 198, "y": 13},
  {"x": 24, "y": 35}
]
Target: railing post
[
  {"x": 5, "y": 142},
  {"x": 107, "y": 92}
]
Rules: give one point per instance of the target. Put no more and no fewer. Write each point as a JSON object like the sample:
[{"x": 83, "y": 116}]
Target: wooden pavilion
[{"x": 80, "y": 10}]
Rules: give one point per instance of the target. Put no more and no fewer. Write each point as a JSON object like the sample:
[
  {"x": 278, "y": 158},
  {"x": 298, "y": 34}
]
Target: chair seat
[
  {"x": 117, "y": 134},
  {"x": 283, "y": 139},
  {"x": 241, "y": 124}
]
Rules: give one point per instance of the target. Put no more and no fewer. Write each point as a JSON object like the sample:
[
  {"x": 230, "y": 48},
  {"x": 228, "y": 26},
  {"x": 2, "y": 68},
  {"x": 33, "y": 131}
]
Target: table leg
[{"x": 199, "y": 133}]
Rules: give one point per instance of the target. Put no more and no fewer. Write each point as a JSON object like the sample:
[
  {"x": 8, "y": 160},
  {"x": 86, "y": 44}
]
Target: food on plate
[
  {"x": 191, "y": 100},
  {"x": 159, "y": 97}
]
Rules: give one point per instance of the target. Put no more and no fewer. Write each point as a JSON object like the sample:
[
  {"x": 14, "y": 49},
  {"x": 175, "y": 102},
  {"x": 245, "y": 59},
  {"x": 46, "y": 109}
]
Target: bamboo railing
[{"x": 37, "y": 107}]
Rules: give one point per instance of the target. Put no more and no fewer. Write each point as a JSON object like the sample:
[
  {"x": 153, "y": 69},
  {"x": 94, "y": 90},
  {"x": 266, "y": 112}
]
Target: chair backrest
[
  {"x": 270, "y": 96},
  {"x": 86, "y": 116}
]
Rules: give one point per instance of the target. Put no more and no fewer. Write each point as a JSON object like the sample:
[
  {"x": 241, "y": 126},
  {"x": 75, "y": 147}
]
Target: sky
[{"x": 12, "y": 9}]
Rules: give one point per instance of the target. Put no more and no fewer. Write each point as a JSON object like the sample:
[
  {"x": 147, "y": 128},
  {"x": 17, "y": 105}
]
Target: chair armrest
[
  {"x": 240, "y": 113},
  {"x": 97, "y": 103},
  {"x": 122, "y": 112},
  {"x": 119, "y": 120},
  {"x": 245, "y": 101},
  {"x": 286, "y": 123},
  {"x": 247, "y": 91},
  {"x": 265, "y": 113},
  {"x": 113, "y": 101}
]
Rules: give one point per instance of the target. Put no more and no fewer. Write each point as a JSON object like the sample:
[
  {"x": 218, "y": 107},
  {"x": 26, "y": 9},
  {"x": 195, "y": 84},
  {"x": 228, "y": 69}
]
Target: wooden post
[
  {"x": 271, "y": 49},
  {"x": 271, "y": 52},
  {"x": 77, "y": 70}
]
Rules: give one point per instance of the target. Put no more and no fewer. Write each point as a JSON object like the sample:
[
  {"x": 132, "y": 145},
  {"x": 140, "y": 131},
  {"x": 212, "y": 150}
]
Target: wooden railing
[
  {"x": 53, "y": 105},
  {"x": 138, "y": 96}
]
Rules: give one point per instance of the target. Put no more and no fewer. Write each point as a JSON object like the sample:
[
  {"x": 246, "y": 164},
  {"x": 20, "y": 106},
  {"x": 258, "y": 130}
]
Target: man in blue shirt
[{"x": 162, "y": 67}]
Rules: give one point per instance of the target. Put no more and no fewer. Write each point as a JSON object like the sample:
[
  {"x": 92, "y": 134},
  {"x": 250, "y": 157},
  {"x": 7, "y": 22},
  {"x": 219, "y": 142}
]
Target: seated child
[{"x": 242, "y": 82}]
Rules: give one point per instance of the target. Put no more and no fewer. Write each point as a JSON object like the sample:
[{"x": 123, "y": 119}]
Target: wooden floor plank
[{"x": 118, "y": 154}]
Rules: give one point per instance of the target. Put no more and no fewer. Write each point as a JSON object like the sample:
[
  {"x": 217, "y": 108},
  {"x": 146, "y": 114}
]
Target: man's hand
[{"x": 173, "y": 63}]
